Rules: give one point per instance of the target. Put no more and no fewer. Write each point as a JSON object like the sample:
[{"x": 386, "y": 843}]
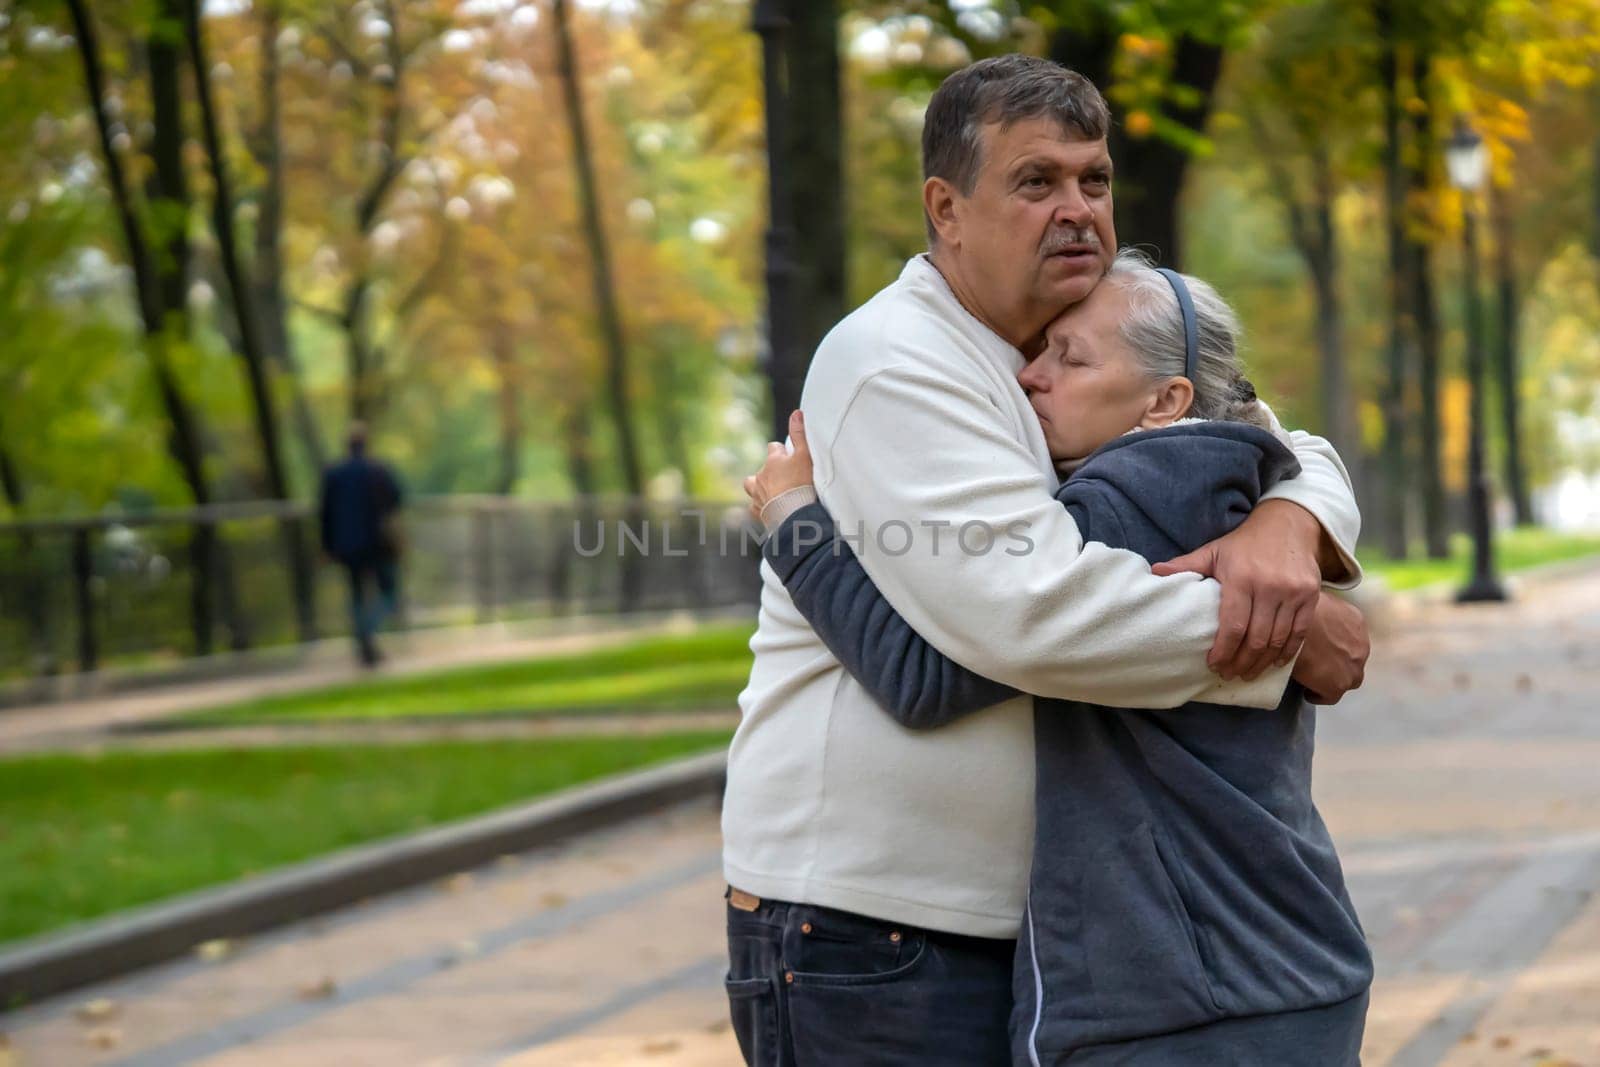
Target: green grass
[
  {"x": 84, "y": 835},
  {"x": 705, "y": 669},
  {"x": 1515, "y": 550}
]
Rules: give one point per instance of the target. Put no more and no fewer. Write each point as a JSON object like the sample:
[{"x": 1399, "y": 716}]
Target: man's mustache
[{"x": 1069, "y": 238}]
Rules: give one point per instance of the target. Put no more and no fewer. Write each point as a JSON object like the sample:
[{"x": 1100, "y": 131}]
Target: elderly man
[{"x": 876, "y": 876}]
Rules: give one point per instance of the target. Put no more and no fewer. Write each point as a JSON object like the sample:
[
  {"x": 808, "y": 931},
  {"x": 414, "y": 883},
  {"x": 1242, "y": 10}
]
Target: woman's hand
[{"x": 783, "y": 471}]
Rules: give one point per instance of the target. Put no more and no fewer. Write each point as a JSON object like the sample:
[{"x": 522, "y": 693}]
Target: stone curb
[{"x": 105, "y": 948}]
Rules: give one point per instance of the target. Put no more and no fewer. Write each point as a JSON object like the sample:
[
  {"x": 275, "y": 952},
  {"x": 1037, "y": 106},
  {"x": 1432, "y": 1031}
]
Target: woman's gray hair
[{"x": 1153, "y": 328}]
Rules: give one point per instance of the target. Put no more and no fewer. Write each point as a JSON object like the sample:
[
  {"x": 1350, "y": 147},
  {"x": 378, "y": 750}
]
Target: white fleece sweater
[{"x": 915, "y": 419}]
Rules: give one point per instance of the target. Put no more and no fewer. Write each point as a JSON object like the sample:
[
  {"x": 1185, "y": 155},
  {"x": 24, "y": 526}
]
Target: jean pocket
[
  {"x": 828, "y": 949},
  {"x": 753, "y": 1008}
]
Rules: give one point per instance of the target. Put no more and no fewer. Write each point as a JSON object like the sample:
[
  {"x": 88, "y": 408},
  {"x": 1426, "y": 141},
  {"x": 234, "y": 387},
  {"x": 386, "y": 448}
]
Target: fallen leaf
[
  {"x": 1462, "y": 681},
  {"x": 214, "y": 950},
  {"x": 1501, "y": 1042},
  {"x": 98, "y": 1010},
  {"x": 721, "y": 1026},
  {"x": 661, "y": 1048},
  {"x": 457, "y": 882},
  {"x": 105, "y": 1037},
  {"x": 319, "y": 989},
  {"x": 1470, "y": 1037},
  {"x": 552, "y": 900}
]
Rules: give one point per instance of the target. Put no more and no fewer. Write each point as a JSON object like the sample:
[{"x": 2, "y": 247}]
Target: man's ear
[
  {"x": 1171, "y": 402},
  {"x": 941, "y": 201}
]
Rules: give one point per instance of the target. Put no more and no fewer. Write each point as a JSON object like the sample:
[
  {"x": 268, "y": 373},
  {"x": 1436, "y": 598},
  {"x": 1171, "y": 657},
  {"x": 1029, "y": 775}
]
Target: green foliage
[
  {"x": 89, "y": 425},
  {"x": 478, "y": 308}
]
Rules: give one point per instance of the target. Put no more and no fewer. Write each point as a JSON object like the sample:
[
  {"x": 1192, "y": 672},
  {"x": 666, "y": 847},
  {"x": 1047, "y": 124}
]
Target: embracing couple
[{"x": 1024, "y": 767}]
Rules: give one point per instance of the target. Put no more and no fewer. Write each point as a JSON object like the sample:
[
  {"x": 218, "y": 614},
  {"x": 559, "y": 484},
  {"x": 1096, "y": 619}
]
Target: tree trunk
[
  {"x": 1435, "y": 512},
  {"x": 1425, "y": 311},
  {"x": 160, "y": 281},
  {"x": 1338, "y": 407},
  {"x": 168, "y": 193},
  {"x": 671, "y": 415},
  {"x": 785, "y": 362},
  {"x": 576, "y": 446},
  {"x": 1594, "y": 217},
  {"x": 503, "y": 350},
  {"x": 1507, "y": 363},
  {"x": 251, "y": 349},
  {"x": 35, "y": 604},
  {"x": 1316, "y": 238},
  {"x": 1395, "y": 542},
  {"x": 817, "y": 190},
  {"x": 619, "y": 397},
  {"x": 354, "y": 318},
  {"x": 1150, "y": 171},
  {"x": 267, "y": 277}
]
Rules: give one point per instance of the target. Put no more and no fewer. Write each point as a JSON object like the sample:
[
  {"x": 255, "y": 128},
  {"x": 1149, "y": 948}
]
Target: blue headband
[{"x": 1191, "y": 342}]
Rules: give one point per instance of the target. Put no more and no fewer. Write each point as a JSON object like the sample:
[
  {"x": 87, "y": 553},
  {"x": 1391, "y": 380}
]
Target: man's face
[
  {"x": 1086, "y": 386},
  {"x": 1036, "y": 235}
]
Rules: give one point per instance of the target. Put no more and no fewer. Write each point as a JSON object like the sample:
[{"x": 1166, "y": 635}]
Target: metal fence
[{"x": 83, "y": 593}]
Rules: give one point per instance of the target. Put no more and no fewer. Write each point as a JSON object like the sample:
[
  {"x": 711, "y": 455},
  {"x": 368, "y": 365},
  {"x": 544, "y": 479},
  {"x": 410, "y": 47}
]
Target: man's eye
[{"x": 1036, "y": 182}]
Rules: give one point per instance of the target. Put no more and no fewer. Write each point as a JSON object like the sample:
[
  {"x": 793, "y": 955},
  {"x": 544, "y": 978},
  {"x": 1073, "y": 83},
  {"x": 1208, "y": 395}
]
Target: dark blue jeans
[
  {"x": 816, "y": 987},
  {"x": 369, "y": 607}
]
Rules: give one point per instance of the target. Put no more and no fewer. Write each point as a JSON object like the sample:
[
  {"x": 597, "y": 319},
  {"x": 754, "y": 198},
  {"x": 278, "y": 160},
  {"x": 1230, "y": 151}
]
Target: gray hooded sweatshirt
[{"x": 1183, "y": 883}]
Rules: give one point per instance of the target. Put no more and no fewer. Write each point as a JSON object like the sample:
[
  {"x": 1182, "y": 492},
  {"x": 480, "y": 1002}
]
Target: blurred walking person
[{"x": 359, "y": 511}]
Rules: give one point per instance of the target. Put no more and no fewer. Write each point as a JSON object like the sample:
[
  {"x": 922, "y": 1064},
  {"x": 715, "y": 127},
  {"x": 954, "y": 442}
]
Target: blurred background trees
[{"x": 524, "y": 240}]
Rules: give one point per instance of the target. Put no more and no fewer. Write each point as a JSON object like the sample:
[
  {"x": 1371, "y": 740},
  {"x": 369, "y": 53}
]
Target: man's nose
[{"x": 1072, "y": 208}]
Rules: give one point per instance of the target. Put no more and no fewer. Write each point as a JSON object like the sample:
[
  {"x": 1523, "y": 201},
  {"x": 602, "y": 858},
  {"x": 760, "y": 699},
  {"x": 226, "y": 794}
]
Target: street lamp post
[
  {"x": 770, "y": 21},
  {"x": 1467, "y": 161}
]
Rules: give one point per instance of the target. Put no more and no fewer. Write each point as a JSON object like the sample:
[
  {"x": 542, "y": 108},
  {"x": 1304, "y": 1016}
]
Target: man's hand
[
  {"x": 1334, "y": 660},
  {"x": 1271, "y": 579}
]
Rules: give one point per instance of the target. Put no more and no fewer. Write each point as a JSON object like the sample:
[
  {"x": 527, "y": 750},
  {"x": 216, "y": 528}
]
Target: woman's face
[{"x": 1086, "y": 386}]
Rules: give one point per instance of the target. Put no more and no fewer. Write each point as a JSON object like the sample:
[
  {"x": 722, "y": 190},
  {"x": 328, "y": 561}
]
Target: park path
[{"x": 1461, "y": 784}]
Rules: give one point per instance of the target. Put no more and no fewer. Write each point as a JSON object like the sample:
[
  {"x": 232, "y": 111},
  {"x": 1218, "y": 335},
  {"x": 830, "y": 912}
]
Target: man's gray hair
[
  {"x": 1153, "y": 329},
  {"x": 1005, "y": 90}
]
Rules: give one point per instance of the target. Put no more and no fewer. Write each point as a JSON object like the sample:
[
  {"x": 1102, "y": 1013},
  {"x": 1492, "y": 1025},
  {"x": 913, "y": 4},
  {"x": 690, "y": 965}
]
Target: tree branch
[
  {"x": 116, "y": 177},
  {"x": 329, "y": 32},
  {"x": 1283, "y": 186}
]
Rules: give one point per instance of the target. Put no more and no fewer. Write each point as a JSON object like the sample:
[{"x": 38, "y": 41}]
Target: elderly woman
[{"x": 1186, "y": 904}]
